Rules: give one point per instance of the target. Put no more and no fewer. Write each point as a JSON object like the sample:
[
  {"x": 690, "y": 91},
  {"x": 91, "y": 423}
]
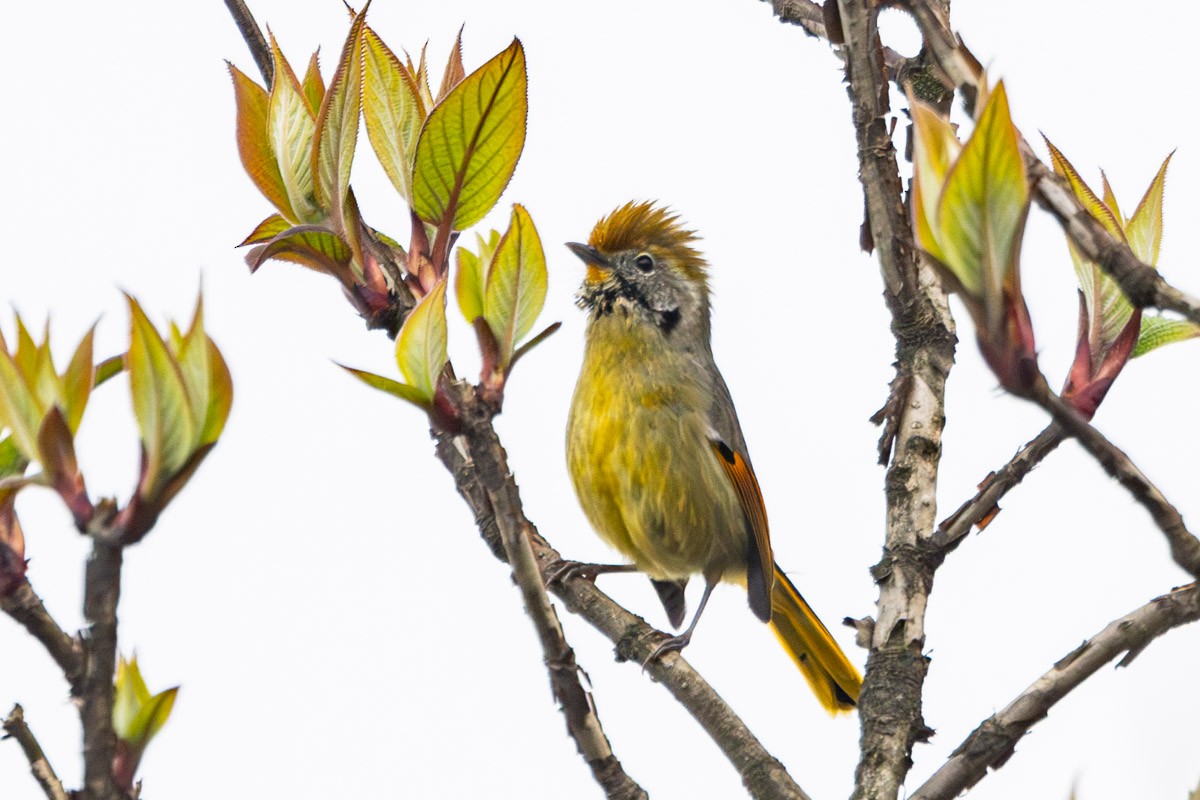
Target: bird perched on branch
[{"x": 655, "y": 450}]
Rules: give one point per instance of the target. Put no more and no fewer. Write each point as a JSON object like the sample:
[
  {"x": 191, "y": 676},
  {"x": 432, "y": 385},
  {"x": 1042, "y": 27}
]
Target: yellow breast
[{"x": 639, "y": 455}]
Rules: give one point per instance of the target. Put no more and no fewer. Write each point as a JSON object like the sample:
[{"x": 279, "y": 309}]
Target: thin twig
[
  {"x": 807, "y": 15},
  {"x": 15, "y": 727},
  {"x": 994, "y": 741},
  {"x": 1140, "y": 282},
  {"x": 983, "y": 505},
  {"x": 24, "y": 606},
  {"x": 890, "y": 705},
  {"x": 493, "y": 494},
  {"x": 1185, "y": 547},
  {"x": 477, "y": 461},
  {"x": 254, "y": 39},
  {"x": 102, "y": 590}
]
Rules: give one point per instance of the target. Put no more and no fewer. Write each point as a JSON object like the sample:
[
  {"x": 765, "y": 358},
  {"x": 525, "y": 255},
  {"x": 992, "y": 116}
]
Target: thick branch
[
  {"x": 102, "y": 589},
  {"x": 1185, "y": 548},
  {"x": 890, "y": 705},
  {"x": 1140, "y": 282},
  {"x": 983, "y": 505},
  {"x": 23, "y": 605},
  {"x": 479, "y": 465},
  {"x": 994, "y": 741},
  {"x": 254, "y": 39},
  {"x": 15, "y": 728}
]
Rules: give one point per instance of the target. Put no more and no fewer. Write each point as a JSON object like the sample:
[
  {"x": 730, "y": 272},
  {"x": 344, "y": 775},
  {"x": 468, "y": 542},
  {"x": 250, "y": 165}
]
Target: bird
[{"x": 655, "y": 450}]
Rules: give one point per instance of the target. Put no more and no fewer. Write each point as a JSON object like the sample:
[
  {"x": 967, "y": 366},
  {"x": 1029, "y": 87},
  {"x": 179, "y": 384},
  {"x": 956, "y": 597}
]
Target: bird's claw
[
  {"x": 567, "y": 570},
  {"x": 673, "y": 644}
]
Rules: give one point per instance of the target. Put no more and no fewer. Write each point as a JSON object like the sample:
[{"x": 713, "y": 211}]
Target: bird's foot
[
  {"x": 567, "y": 570},
  {"x": 675, "y": 643}
]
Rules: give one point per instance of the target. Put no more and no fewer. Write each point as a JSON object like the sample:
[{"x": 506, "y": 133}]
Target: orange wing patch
[{"x": 760, "y": 576}]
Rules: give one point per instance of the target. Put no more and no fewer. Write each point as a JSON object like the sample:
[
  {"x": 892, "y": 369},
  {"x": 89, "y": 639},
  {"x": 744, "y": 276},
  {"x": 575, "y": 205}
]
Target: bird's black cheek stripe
[{"x": 667, "y": 320}]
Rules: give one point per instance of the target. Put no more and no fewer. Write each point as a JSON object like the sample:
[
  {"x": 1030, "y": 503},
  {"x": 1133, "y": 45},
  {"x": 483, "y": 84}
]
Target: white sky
[{"x": 320, "y": 591}]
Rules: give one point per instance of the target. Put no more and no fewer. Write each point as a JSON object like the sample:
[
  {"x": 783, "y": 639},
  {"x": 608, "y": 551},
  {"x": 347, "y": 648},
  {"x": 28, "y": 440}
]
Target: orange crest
[{"x": 653, "y": 229}]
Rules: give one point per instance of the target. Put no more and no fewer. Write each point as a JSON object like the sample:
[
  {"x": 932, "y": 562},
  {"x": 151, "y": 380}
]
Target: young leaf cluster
[
  {"x": 138, "y": 716},
  {"x": 1111, "y": 330},
  {"x": 969, "y": 207},
  {"x": 449, "y": 155},
  {"x": 501, "y": 289},
  {"x": 181, "y": 395}
]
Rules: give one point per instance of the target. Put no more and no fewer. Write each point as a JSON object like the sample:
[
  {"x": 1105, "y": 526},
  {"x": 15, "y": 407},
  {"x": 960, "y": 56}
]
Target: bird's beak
[{"x": 589, "y": 255}]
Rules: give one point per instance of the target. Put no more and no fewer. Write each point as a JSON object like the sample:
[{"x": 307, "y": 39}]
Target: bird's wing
[{"x": 760, "y": 563}]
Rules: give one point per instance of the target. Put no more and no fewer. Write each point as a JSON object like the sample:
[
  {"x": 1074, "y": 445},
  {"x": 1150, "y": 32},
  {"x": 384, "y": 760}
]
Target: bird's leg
[
  {"x": 581, "y": 569},
  {"x": 682, "y": 640}
]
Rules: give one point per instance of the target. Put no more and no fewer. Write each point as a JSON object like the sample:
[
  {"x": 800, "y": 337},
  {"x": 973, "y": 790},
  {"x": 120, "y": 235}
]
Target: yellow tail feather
[{"x": 834, "y": 680}]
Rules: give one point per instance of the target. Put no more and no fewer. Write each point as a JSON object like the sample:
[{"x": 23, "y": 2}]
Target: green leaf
[
  {"x": 19, "y": 409},
  {"x": 1144, "y": 230},
  {"x": 313, "y": 86},
  {"x": 267, "y": 230},
  {"x": 28, "y": 354},
  {"x": 152, "y": 716},
  {"x": 309, "y": 246},
  {"x": 254, "y": 147},
  {"x": 291, "y": 129},
  {"x": 421, "y": 345},
  {"x": 129, "y": 694},
  {"x": 160, "y": 402},
  {"x": 43, "y": 379},
  {"x": 1087, "y": 198},
  {"x": 220, "y": 399},
  {"x": 1158, "y": 331},
  {"x": 935, "y": 147},
  {"x": 421, "y": 79},
  {"x": 487, "y": 249},
  {"x": 107, "y": 369},
  {"x": 76, "y": 384},
  {"x": 983, "y": 205},
  {"x": 468, "y": 284},
  {"x": 454, "y": 73},
  {"x": 471, "y": 142},
  {"x": 394, "y": 388},
  {"x": 393, "y": 111},
  {"x": 471, "y": 276},
  {"x": 60, "y": 468},
  {"x": 516, "y": 284},
  {"x": 137, "y": 715},
  {"x": 337, "y": 127},
  {"x": 192, "y": 356},
  {"x": 1110, "y": 199},
  {"x": 11, "y": 460}
]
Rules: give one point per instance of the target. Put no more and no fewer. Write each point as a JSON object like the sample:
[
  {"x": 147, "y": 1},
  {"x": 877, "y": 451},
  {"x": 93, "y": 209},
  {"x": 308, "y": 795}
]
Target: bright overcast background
[{"x": 319, "y": 590}]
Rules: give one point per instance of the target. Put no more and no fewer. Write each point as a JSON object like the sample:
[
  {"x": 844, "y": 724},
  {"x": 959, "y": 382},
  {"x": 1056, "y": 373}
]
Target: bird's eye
[{"x": 644, "y": 262}]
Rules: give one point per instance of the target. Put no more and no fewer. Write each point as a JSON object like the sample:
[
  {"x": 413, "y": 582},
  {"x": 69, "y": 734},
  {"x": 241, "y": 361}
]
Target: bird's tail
[{"x": 834, "y": 680}]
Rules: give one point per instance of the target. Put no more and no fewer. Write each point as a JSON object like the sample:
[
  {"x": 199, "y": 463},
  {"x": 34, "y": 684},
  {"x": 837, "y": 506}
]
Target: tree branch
[
  {"x": 479, "y": 465},
  {"x": 995, "y": 740},
  {"x": 804, "y": 13},
  {"x": 890, "y": 705},
  {"x": 1185, "y": 548},
  {"x": 481, "y": 474},
  {"x": 15, "y": 728},
  {"x": 1140, "y": 282},
  {"x": 102, "y": 590},
  {"x": 24, "y": 606},
  {"x": 254, "y": 39},
  {"x": 983, "y": 505}
]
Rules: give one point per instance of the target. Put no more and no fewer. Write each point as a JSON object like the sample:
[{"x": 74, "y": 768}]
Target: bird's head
[{"x": 640, "y": 261}]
